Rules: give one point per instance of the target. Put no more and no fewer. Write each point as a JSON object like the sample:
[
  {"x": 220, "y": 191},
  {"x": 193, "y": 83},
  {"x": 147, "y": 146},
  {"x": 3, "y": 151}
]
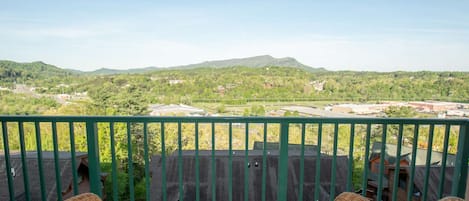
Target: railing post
[
  {"x": 93, "y": 158},
  {"x": 283, "y": 162},
  {"x": 6, "y": 149},
  {"x": 460, "y": 172}
]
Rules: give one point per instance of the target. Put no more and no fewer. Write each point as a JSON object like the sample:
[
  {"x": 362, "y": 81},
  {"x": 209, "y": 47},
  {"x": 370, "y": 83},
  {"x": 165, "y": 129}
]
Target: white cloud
[
  {"x": 85, "y": 48},
  {"x": 74, "y": 31}
]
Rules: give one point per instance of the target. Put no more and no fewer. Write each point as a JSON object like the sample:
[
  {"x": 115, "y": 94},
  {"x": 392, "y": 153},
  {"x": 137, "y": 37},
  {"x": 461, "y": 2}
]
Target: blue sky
[{"x": 337, "y": 35}]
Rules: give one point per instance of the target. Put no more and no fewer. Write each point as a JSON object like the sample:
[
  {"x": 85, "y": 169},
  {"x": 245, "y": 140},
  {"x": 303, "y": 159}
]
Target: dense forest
[{"x": 131, "y": 93}]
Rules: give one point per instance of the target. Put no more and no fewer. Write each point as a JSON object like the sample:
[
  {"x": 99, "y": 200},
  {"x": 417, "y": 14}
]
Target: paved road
[{"x": 317, "y": 112}]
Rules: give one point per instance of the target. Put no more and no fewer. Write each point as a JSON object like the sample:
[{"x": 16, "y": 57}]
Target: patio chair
[
  {"x": 349, "y": 196},
  {"x": 451, "y": 198},
  {"x": 84, "y": 197}
]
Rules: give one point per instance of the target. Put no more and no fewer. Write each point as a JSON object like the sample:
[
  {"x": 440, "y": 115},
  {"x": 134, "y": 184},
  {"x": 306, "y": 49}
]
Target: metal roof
[
  {"x": 65, "y": 166},
  {"x": 255, "y": 175}
]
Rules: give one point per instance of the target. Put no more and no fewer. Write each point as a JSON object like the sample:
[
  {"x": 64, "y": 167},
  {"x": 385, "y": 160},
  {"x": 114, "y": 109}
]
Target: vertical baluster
[
  {"x": 115, "y": 194},
  {"x": 283, "y": 162},
  {"x": 197, "y": 168},
  {"x": 230, "y": 162},
  {"x": 39, "y": 160},
  {"x": 264, "y": 163},
  {"x": 398, "y": 162},
  {"x": 334, "y": 161},
  {"x": 317, "y": 185},
  {"x": 214, "y": 171},
  {"x": 180, "y": 170},
  {"x": 131, "y": 166},
  {"x": 163, "y": 162},
  {"x": 443, "y": 163},
  {"x": 58, "y": 180},
  {"x": 381, "y": 162},
  {"x": 73, "y": 154},
  {"x": 246, "y": 164},
  {"x": 428, "y": 161},
  {"x": 350, "y": 158},
  {"x": 302, "y": 162},
  {"x": 366, "y": 164},
  {"x": 23, "y": 161},
  {"x": 412, "y": 165},
  {"x": 93, "y": 157},
  {"x": 147, "y": 162},
  {"x": 6, "y": 149}
]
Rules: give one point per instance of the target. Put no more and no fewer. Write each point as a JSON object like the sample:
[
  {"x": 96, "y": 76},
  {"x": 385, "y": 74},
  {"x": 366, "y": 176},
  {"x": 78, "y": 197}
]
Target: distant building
[
  {"x": 221, "y": 89},
  {"x": 434, "y": 106},
  {"x": 175, "y": 110},
  {"x": 22, "y": 88},
  {"x": 318, "y": 85},
  {"x": 230, "y": 86},
  {"x": 362, "y": 109},
  {"x": 63, "y": 85},
  {"x": 64, "y": 97},
  {"x": 458, "y": 113},
  {"x": 268, "y": 85},
  {"x": 174, "y": 82},
  {"x": 276, "y": 113},
  {"x": 81, "y": 93},
  {"x": 39, "y": 89},
  {"x": 310, "y": 111}
]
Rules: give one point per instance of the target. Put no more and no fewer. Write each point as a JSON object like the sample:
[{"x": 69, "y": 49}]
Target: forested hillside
[
  {"x": 240, "y": 84},
  {"x": 131, "y": 93},
  {"x": 15, "y": 72}
]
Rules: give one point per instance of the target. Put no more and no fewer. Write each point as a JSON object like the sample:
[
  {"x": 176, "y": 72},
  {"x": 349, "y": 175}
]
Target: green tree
[
  {"x": 221, "y": 108},
  {"x": 400, "y": 111}
]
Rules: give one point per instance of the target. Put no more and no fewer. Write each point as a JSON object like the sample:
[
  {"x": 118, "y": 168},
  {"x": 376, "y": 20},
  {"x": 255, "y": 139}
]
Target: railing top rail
[{"x": 226, "y": 119}]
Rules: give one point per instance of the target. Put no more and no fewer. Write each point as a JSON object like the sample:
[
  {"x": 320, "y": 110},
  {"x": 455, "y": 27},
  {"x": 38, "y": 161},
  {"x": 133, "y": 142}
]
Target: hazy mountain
[
  {"x": 108, "y": 71},
  {"x": 254, "y": 62}
]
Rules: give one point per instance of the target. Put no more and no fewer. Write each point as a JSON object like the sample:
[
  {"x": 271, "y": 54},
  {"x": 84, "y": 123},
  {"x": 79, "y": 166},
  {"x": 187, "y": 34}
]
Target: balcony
[{"x": 232, "y": 158}]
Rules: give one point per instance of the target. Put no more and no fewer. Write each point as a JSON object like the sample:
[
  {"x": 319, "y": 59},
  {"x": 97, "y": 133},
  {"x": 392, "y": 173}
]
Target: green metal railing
[{"x": 321, "y": 132}]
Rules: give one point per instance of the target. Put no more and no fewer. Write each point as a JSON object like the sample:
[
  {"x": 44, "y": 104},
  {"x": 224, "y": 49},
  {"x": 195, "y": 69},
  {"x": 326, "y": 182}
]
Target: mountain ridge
[{"x": 252, "y": 62}]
